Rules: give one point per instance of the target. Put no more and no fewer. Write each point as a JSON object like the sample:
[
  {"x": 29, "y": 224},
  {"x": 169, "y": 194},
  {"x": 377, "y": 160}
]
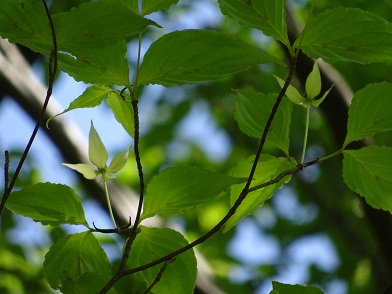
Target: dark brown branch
[
  {"x": 6, "y": 169},
  {"x": 52, "y": 75}
]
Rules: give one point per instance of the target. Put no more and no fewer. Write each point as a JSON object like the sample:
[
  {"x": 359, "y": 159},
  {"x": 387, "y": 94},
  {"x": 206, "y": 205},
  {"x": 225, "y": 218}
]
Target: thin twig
[
  {"x": 6, "y": 169},
  {"x": 159, "y": 275},
  {"x": 244, "y": 192},
  {"x": 52, "y": 75}
]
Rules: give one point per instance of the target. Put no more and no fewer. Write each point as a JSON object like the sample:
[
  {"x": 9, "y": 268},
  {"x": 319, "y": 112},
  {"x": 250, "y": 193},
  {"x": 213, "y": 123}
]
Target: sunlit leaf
[
  {"x": 153, "y": 243},
  {"x": 96, "y": 150},
  {"x": 368, "y": 172},
  {"x": 268, "y": 16},
  {"x": 118, "y": 162},
  {"x": 177, "y": 189},
  {"x": 25, "y": 22},
  {"x": 91, "y": 97},
  {"x": 252, "y": 109},
  {"x": 122, "y": 110},
  {"x": 268, "y": 168},
  {"x": 192, "y": 56},
  {"x": 50, "y": 204},
  {"x": 150, "y": 6},
  {"x": 348, "y": 34},
  {"x": 74, "y": 255},
  {"x": 369, "y": 112},
  {"x": 279, "y": 288}
]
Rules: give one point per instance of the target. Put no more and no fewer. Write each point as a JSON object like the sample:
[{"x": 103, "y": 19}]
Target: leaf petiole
[
  {"x": 306, "y": 132},
  {"x": 109, "y": 205}
]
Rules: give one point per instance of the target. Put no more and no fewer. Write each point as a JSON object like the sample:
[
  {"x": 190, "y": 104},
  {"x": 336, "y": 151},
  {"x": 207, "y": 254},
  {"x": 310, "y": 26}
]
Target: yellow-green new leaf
[
  {"x": 87, "y": 171},
  {"x": 313, "y": 83},
  {"x": 291, "y": 92}
]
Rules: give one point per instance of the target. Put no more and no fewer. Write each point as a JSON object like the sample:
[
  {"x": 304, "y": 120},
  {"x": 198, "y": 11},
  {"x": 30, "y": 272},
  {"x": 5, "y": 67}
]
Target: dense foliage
[{"x": 264, "y": 83}]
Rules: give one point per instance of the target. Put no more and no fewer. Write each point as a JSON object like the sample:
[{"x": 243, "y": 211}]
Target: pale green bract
[{"x": 98, "y": 156}]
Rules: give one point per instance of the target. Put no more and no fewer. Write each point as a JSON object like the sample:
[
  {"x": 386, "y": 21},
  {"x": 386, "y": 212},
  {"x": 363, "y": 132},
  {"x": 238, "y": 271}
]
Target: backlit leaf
[
  {"x": 153, "y": 243},
  {"x": 91, "y": 97},
  {"x": 268, "y": 168},
  {"x": 26, "y": 23},
  {"x": 252, "y": 109},
  {"x": 348, "y": 34},
  {"x": 313, "y": 82},
  {"x": 109, "y": 66},
  {"x": 369, "y": 112},
  {"x": 122, "y": 110},
  {"x": 177, "y": 189},
  {"x": 74, "y": 255},
  {"x": 192, "y": 56},
  {"x": 279, "y": 288},
  {"x": 368, "y": 172},
  {"x": 91, "y": 27},
  {"x": 50, "y": 204},
  {"x": 267, "y": 16},
  {"x": 96, "y": 150},
  {"x": 150, "y": 6}
]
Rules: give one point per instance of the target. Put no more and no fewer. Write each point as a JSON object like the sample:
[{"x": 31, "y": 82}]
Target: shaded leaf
[
  {"x": 177, "y": 189},
  {"x": 192, "y": 56},
  {"x": 279, "y": 288},
  {"x": 348, "y": 34},
  {"x": 368, "y": 172},
  {"x": 252, "y": 109},
  {"x": 150, "y": 6},
  {"x": 267, "y": 16},
  {"x": 26, "y": 23},
  {"x": 122, "y": 110},
  {"x": 72, "y": 256},
  {"x": 91, "y": 27},
  {"x": 369, "y": 112},
  {"x": 87, "y": 283},
  {"x": 50, "y": 204},
  {"x": 292, "y": 93},
  {"x": 96, "y": 150},
  {"x": 268, "y": 168},
  {"x": 153, "y": 243},
  {"x": 109, "y": 66}
]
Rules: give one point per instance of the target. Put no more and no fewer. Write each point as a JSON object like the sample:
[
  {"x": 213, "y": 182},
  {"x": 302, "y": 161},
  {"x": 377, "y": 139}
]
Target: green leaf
[
  {"x": 87, "y": 171},
  {"x": 317, "y": 102},
  {"x": 279, "y": 288},
  {"x": 177, "y": 189},
  {"x": 292, "y": 93},
  {"x": 96, "y": 150},
  {"x": 368, "y": 172},
  {"x": 122, "y": 110},
  {"x": 192, "y": 56},
  {"x": 313, "y": 83},
  {"x": 74, "y": 255},
  {"x": 267, "y": 16},
  {"x": 252, "y": 109},
  {"x": 153, "y": 243},
  {"x": 91, "y": 97},
  {"x": 369, "y": 112},
  {"x": 348, "y": 34},
  {"x": 87, "y": 283},
  {"x": 268, "y": 168},
  {"x": 109, "y": 66},
  {"x": 150, "y": 6},
  {"x": 26, "y": 23},
  {"x": 91, "y": 27},
  {"x": 50, "y": 204}
]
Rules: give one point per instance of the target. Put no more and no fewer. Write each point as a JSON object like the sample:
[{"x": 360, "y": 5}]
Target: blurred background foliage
[{"x": 313, "y": 231}]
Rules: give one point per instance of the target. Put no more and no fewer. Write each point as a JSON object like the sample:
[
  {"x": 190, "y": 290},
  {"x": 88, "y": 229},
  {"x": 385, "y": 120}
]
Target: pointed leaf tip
[{"x": 97, "y": 152}]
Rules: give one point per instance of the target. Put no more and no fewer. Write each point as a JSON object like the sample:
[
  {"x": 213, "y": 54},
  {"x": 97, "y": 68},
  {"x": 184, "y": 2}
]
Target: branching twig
[
  {"x": 52, "y": 75},
  {"x": 159, "y": 275},
  {"x": 244, "y": 192}
]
